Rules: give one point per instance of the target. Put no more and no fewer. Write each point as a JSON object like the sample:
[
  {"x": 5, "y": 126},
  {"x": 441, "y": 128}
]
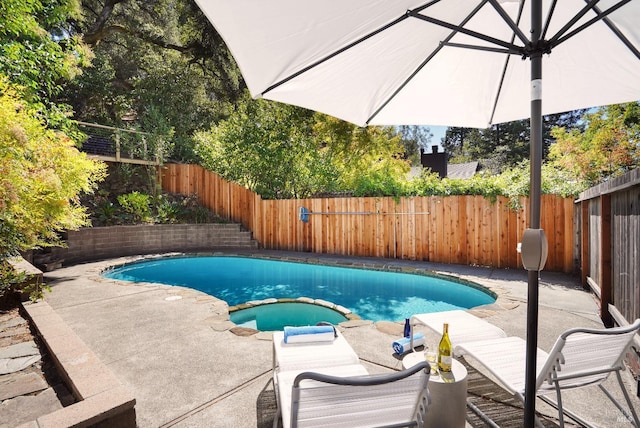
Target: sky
[{"x": 438, "y": 132}]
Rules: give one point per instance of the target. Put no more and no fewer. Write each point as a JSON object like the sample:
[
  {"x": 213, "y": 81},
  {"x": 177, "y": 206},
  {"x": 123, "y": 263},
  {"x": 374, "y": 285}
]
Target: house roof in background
[{"x": 462, "y": 170}]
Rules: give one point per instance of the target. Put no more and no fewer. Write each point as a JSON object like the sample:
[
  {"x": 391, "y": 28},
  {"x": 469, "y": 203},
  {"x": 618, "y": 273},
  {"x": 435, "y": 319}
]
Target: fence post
[
  {"x": 117, "y": 138},
  {"x": 584, "y": 242},
  {"x": 605, "y": 260}
]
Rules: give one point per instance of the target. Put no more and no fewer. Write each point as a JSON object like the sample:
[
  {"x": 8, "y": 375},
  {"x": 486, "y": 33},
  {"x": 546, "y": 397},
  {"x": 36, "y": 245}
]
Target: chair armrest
[{"x": 362, "y": 380}]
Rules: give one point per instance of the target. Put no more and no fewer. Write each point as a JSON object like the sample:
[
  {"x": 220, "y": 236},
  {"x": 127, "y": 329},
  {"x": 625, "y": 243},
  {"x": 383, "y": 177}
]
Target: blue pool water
[
  {"x": 276, "y": 316},
  {"x": 373, "y": 295}
]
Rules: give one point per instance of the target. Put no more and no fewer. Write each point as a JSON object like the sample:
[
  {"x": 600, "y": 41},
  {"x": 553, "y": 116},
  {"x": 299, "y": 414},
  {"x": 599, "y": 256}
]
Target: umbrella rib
[
  {"x": 460, "y": 29},
  {"x": 602, "y": 16},
  {"x": 506, "y": 65},
  {"x": 426, "y": 61},
  {"x": 552, "y": 8},
  {"x": 588, "y": 7},
  {"x": 345, "y": 48},
  {"x": 506, "y": 18},
  {"x": 483, "y": 48}
]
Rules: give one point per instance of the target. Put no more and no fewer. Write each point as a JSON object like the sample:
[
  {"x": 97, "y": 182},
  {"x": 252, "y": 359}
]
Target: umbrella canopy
[
  {"x": 432, "y": 63},
  {"x": 442, "y": 62}
]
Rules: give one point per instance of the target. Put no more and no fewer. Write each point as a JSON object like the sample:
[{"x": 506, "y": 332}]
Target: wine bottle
[
  {"x": 407, "y": 328},
  {"x": 444, "y": 350}
]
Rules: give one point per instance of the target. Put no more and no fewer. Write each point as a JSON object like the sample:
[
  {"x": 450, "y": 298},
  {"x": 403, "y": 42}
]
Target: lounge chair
[
  {"x": 580, "y": 357},
  {"x": 309, "y": 355},
  {"x": 463, "y": 326},
  {"x": 398, "y": 399},
  {"x": 323, "y": 384}
]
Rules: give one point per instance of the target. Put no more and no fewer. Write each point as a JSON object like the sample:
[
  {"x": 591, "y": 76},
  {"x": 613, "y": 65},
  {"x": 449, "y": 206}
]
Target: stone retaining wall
[
  {"x": 103, "y": 401},
  {"x": 98, "y": 243}
]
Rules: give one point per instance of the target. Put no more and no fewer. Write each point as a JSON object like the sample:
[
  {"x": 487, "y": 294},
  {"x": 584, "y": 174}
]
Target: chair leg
[
  {"x": 487, "y": 420},
  {"x": 626, "y": 397},
  {"x": 559, "y": 405},
  {"x": 276, "y": 418},
  {"x": 278, "y": 414},
  {"x": 566, "y": 412},
  {"x": 481, "y": 415}
]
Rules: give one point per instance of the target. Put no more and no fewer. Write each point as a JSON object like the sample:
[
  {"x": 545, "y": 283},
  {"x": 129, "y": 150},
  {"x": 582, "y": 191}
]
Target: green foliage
[
  {"x": 360, "y": 158},
  {"x": 137, "y": 207},
  {"x": 159, "y": 67},
  {"x": 167, "y": 211},
  {"x": 195, "y": 213},
  {"x": 414, "y": 138},
  {"x": 267, "y": 147},
  {"x": 378, "y": 184},
  {"x": 609, "y": 145},
  {"x": 282, "y": 151},
  {"x": 106, "y": 211},
  {"x": 505, "y": 145},
  {"x": 38, "y": 55},
  {"x": 497, "y": 148},
  {"x": 512, "y": 183},
  {"x": 14, "y": 283},
  {"x": 429, "y": 184},
  {"x": 10, "y": 280},
  {"x": 136, "y": 204},
  {"x": 42, "y": 175}
]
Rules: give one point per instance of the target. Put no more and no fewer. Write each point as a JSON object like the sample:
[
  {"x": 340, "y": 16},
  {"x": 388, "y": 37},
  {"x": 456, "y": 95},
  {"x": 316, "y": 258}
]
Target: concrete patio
[{"x": 187, "y": 366}]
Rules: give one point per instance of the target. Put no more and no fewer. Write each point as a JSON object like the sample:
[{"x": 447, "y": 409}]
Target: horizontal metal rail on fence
[{"x": 303, "y": 213}]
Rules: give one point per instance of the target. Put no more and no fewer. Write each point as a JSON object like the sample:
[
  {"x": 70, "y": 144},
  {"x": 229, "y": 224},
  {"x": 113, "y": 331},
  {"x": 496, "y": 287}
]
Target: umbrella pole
[{"x": 534, "y": 220}]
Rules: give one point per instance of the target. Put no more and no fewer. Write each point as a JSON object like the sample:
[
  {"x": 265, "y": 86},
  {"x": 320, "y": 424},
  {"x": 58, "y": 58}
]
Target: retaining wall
[{"x": 98, "y": 243}]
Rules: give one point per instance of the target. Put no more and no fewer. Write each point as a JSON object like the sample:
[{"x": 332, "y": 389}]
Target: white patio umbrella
[{"x": 468, "y": 63}]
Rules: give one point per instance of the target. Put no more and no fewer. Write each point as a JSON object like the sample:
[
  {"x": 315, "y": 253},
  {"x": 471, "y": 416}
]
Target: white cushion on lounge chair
[
  {"x": 579, "y": 358},
  {"x": 505, "y": 358},
  {"x": 463, "y": 326},
  {"x": 307, "y": 356},
  {"x": 349, "y": 397}
]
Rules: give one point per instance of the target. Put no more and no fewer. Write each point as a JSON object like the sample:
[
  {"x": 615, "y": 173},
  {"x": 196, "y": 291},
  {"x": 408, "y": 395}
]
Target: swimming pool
[{"x": 371, "y": 294}]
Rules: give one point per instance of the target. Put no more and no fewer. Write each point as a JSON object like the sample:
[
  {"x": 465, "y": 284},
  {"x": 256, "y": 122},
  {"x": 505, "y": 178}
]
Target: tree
[
  {"x": 265, "y": 146},
  {"x": 369, "y": 161},
  {"x": 413, "y": 139},
  {"x": 283, "y": 151},
  {"x": 41, "y": 171},
  {"x": 503, "y": 146},
  {"x": 38, "y": 55},
  {"x": 497, "y": 148},
  {"x": 160, "y": 67},
  {"x": 609, "y": 145},
  {"x": 41, "y": 177}
]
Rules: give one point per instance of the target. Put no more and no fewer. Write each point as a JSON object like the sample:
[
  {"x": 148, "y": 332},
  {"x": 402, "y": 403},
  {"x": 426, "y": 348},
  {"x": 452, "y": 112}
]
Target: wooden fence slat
[{"x": 456, "y": 229}]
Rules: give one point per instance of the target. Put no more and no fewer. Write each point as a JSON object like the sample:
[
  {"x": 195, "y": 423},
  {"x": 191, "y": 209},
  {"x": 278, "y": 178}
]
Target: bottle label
[{"x": 446, "y": 360}]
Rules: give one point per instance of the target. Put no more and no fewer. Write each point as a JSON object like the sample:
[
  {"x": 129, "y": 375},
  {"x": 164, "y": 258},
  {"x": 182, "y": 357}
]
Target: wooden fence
[
  {"x": 468, "y": 230},
  {"x": 610, "y": 246}
]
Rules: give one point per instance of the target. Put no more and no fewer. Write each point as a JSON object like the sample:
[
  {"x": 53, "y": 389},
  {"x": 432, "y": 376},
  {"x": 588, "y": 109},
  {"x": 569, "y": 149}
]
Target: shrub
[
  {"x": 42, "y": 174},
  {"x": 136, "y": 204}
]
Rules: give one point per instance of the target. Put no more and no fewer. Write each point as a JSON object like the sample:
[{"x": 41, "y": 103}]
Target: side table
[{"x": 448, "y": 392}]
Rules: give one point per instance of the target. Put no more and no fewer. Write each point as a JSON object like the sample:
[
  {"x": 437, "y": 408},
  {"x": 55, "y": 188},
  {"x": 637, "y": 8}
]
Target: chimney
[{"x": 434, "y": 160}]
